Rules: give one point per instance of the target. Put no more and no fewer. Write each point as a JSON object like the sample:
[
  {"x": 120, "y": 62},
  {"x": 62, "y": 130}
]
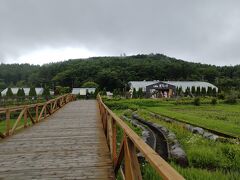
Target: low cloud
[{"x": 200, "y": 31}]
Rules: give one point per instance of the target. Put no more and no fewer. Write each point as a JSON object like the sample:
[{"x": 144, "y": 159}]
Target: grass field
[
  {"x": 222, "y": 117},
  {"x": 207, "y": 159}
]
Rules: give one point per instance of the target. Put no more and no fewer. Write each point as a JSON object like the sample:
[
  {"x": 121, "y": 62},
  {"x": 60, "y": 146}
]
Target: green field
[
  {"x": 207, "y": 159},
  {"x": 222, "y": 117}
]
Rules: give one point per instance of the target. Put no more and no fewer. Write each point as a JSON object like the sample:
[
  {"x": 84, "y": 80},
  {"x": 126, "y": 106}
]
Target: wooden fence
[
  {"x": 131, "y": 144},
  {"x": 16, "y": 118}
]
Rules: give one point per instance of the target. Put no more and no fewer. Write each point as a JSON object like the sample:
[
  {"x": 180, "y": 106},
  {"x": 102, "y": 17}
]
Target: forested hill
[{"x": 115, "y": 72}]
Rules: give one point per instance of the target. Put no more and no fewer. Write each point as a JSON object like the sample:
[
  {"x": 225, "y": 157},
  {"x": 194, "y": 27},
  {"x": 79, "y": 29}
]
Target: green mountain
[{"x": 115, "y": 72}]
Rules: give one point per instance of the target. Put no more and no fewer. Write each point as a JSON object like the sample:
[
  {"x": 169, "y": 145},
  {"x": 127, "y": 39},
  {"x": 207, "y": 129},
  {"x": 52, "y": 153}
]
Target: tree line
[{"x": 113, "y": 73}]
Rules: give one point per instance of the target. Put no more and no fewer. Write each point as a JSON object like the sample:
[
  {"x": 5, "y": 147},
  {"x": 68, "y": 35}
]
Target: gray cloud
[{"x": 200, "y": 31}]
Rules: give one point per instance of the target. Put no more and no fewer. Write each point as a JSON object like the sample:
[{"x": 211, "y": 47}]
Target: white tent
[
  {"x": 83, "y": 91},
  {"x": 39, "y": 91}
]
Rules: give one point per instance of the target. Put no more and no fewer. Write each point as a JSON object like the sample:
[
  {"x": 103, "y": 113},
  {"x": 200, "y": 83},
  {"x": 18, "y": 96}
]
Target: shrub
[
  {"x": 197, "y": 101},
  {"x": 9, "y": 93},
  {"x": 32, "y": 92},
  {"x": 103, "y": 92},
  {"x": 203, "y": 91},
  {"x": 221, "y": 96},
  {"x": 179, "y": 91},
  {"x": 90, "y": 84},
  {"x": 187, "y": 91},
  {"x": 134, "y": 94},
  {"x": 209, "y": 91},
  {"x": 140, "y": 93},
  {"x": 214, "y": 101},
  {"x": 46, "y": 93},
  {"x": 193, "y": 90},
  {"x": 20, "y": 92},
  {"x": 198, "y": 92},
  {"x": 231, "y": 98},
  {"x": 214, "y": 92}
]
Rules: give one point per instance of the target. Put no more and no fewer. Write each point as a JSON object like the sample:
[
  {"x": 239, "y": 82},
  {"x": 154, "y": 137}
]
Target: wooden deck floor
[{"x": 68, "y": 145}]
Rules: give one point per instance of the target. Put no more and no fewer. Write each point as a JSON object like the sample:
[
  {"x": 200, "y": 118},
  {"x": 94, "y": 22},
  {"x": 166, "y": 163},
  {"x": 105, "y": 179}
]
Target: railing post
[
  {"x": 114, "y": 141},
  {"x": 45, "y": 111},
  {"x": 8, "y": 113},
  {"x": 134, "y": 160},
  {"x": 25, "y": 117},
  {"x": 110, "y": 133},
  {"x": 36, "y": 111}
]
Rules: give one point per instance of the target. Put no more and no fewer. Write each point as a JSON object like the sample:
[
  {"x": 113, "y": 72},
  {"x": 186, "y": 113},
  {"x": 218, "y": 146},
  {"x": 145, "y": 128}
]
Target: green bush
[
  {"x": 46, "y": 93},
  {"x": 9, "y": 93},
  {"x": 197, "y": 101},
  {"x": 231, "y": 98},
  {"x": 103, "y": 92},
  {"x": 221, "y": 96},
  {"x": 32, "y": 92},
  {"x": 90, "y": 84},
  {"x": 214, "y": 101}
]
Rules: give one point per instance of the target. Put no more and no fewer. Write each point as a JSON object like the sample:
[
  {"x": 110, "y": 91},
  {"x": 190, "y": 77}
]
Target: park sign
[
  {"x": 160, "y": 85},
  {"x": 160, "y": 89}
]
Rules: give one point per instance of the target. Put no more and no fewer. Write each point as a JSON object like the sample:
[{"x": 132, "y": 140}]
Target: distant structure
[
  {"x": 38, "y": 90},
  {"x": 83, "y": 91},
  {"x": 166, "y": 88}
]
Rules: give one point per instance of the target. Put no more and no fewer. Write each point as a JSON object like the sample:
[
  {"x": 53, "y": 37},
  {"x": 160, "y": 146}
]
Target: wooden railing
[
  {"x": 131, "y": 144},
  {"x": 16, "y": 118}
]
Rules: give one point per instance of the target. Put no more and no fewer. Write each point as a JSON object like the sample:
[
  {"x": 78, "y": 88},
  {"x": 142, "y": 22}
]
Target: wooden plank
[{"x": 70, "y": 145}]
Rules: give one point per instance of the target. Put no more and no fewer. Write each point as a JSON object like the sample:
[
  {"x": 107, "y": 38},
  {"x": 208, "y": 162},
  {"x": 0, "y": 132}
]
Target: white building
[
  {"x": 83, "y": 91},
  {"x": 184, "y": 84},
  {"x": 39, "y": 91}
]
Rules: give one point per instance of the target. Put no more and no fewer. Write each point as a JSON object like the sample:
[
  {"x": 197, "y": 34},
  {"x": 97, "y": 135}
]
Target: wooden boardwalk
[{"x": 68, "y": 145}]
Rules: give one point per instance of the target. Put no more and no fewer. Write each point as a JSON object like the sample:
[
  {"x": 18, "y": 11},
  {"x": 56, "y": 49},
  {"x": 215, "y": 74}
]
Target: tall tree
[
  {"x": 19, "y": 92},
  {"x": 9, "y": 93},
  {"x": 187, "y": 91},
  {"x": 134, "y": 93},
  {"x": 203, "y": 91},
  {"x": 140, "y": 93},
  {"x": 198, "y": 92},
  {"x": 46, "y": 92},
  {"x": 193, "y": 90},
  {"x": 209, "y": 91},
  {"x": 32, "y": 92},
  {"x": 214, "y": 92},
  {"x": 180, "y": 91}
]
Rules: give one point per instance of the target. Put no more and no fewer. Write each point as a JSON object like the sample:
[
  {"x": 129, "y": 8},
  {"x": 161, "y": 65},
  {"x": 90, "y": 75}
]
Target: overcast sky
[{"x": 43, "y": 31}]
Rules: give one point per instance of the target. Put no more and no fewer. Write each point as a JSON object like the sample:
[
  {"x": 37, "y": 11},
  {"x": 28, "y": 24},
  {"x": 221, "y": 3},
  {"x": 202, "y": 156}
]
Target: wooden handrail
[
  {"x": 131, "y": 142},
  {"x": 41, "y": 110}
]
